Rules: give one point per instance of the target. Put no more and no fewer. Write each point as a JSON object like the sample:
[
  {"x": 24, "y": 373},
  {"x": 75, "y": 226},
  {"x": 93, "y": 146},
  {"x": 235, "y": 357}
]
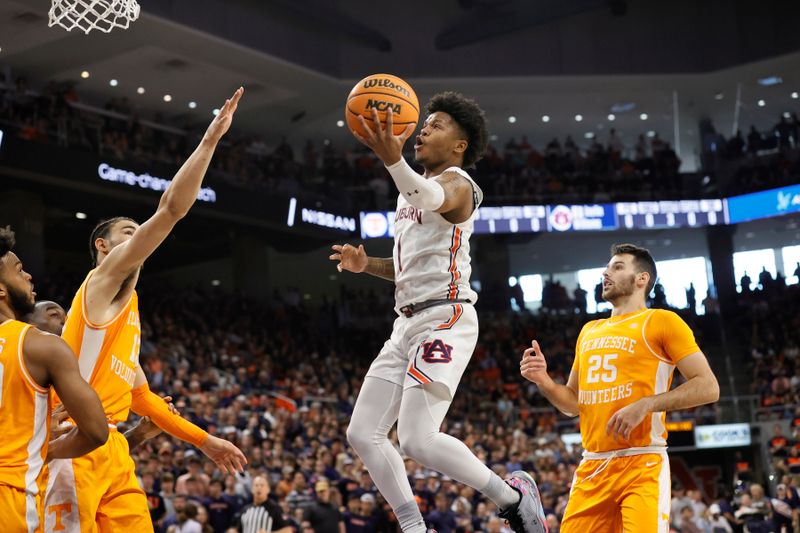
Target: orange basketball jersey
[
  {"x": 24, "y": 416},
  {"x": 621, "y": 359},
  {"x": 108, "y": 354}
]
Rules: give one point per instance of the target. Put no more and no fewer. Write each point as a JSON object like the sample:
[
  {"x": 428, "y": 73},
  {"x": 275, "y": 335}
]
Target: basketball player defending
[
  {"x": 619, "y": 385},
  {"x": 50, "y": 317},
  {"x": 31, "y": 363},
  {"x": 414, "y": 378},
  {"x": 99, "y": 491}
]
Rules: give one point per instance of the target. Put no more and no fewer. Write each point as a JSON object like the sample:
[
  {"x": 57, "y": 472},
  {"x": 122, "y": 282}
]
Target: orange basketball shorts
[{"x": 629, "y": 494}]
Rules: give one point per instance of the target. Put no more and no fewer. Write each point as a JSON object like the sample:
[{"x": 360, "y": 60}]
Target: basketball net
[{"x": 88, "y": 15}]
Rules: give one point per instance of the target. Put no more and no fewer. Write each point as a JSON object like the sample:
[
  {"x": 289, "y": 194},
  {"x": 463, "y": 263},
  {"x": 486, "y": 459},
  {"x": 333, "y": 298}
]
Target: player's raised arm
[
  {"x": 175, "y": 203},
  {"x": 355, "y": 259},
  {"x": 533, "y": 367},
  {"x": 50, "y": 360}
]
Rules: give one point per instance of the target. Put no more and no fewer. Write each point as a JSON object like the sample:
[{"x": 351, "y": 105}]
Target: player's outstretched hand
[
  {"x": 228, "y": 457},
  {"x": 533, "y": 366},
  {"x": 222, "y": 122},
  {"x": 349, "y": 257},
  {"x": 382, "y": 140},
  {"x": 623, "y": 422}
]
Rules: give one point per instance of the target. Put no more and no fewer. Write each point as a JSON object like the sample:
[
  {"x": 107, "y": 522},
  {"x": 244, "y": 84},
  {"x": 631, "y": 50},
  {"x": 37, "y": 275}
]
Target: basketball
[{"x": 381, "y": 92}]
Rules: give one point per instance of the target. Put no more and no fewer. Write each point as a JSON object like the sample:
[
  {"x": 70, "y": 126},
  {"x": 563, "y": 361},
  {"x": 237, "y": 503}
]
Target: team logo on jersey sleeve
[{"x": 437, "y": 351}]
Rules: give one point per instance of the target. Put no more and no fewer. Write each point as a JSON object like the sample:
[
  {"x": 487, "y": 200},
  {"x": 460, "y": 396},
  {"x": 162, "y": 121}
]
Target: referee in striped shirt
[{"x": 263, "y": 515}]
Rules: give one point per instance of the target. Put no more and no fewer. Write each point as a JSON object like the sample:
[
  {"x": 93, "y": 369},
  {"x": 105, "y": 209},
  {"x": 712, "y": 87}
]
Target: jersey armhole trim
[
  {"x": 85, "y": 308},
  {"x": 23, "y": 367},
  {"x": 647, "y": 344}
]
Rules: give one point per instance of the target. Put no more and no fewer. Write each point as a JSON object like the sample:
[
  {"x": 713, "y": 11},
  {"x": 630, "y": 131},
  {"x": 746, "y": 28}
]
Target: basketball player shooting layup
[
  {"x": 99, "y": 491},
  {"x": 31, "y": 363},
  {"x": 619, "y": 385},
  {"x": 414, "y": 378}
]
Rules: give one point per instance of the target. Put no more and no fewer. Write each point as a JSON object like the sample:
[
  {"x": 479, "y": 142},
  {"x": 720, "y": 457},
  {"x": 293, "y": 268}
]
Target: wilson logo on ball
[
  {"x": 380, "y": 105},
  {"x": 387, "y": 83}
]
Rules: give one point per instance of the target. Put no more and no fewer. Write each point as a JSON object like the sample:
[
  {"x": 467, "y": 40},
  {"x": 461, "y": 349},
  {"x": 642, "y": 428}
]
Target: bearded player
[
  {"x": 99, "y": 491},
  {"x": 413, "y": 379},
  {"x": 32, "y": 364},
  {"x": 620, "y": 387}
]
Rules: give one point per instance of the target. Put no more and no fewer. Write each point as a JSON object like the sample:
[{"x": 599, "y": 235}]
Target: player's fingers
[
  {"x": 335, "y": 257},
  {"x": 361, "y": 249},
  {"x": 627, "y": 434},
  {"x": 339, "y": 267},
  {"x": 173, "y": 409},
  {"x": 408, "y": 132},
  {"x": 389, "y": 122},
  {"x": 369, "y": 135},
  {"x": 336, "y": 247},
  {"x": 376, "y": 120},
  {"x": 370, "y": 130},
  {"x": 361, "y": 139},
  {"x": 236, "y": 96},
  {"x": 610, "y": 424},
  {"x": 527, "y": 353},
  {"x": 537, "y": 348}
]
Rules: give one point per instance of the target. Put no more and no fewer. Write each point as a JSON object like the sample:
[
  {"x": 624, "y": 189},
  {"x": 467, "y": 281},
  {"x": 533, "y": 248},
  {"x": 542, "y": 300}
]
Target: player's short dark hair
[
  {"x": 7, "y": 241},
  {"x": 469, "y": 117},
  {"x": 642, "y": 259},
  {"x": 102, "y": 231}
]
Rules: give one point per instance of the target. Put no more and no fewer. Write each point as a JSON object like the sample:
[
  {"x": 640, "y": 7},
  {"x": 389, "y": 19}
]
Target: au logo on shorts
[{"x": 437, "y": 351}]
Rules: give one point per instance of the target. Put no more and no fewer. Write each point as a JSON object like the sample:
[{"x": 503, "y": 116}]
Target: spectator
[
  {"x": 691, "y": 298},
  {"x": 195, "y": 472},
  {"x": 717, "y": 522},
  {"x": 784, "y": 509},
  {"x": 187, "y": 520},
  {"x": 220, "y": 509},
  {"x": 322, "y": 514},
  {"x": 442, "y": 519},
  {"x": 688, "y": 521}
]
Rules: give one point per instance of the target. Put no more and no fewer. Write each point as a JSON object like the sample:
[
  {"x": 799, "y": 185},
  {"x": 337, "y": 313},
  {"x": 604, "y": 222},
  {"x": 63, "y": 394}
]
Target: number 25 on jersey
[{"x": 602, "y": 369}]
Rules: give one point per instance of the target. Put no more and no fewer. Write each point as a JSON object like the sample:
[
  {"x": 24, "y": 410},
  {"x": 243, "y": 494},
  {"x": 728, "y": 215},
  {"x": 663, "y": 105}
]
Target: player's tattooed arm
[
  {"x": 381, "y": 267},
  {"x": 355, "y": 259},
  {"x": 459, "y": 201}
]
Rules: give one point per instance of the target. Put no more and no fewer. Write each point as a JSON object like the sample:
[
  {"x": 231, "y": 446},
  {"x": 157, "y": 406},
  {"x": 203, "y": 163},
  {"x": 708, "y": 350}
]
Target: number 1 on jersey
[{"x": 596, "y": 362}]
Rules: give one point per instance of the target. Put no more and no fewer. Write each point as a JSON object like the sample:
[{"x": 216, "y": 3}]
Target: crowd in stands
[
  {"x": 756, "y": 161},
  {"x": 771, "y": 331},
  {"x": 602, "y": 171}
]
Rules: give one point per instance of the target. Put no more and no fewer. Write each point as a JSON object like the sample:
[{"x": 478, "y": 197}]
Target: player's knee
[
  {"x": 359, "y": 437},
  {"x": 415, "y": 446}
]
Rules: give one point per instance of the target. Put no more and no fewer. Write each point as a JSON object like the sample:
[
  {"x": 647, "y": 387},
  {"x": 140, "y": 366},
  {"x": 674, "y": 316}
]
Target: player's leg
[
  {"x": 124, "y": 505},
  {"x": 592, "y": 504},
  {"x": 646, "y": 500},
  {"x": 441, "y": 350},
  {"x": 74, "y": 490},
  {"x": 20, "y": 512},
  {"x": 375, "y": 413},
  {"x": 421, "y": 414}
]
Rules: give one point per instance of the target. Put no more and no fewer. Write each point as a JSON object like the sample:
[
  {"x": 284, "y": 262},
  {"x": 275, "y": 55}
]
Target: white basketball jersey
[{"x": 431, "y": 255}]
